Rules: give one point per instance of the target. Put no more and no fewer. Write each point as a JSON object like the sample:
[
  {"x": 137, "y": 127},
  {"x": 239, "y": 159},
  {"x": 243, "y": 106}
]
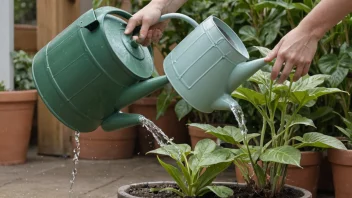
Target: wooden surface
[
  {"x": 53, "y": 16},
  {"x": 26, "y": 38}
]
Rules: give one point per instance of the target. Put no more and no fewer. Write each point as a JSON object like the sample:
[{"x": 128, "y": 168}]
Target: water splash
[
  {"x": 239, "y": 115},
  {"x": 75, "y": 160},
  {"x": 161, "y": 138}
]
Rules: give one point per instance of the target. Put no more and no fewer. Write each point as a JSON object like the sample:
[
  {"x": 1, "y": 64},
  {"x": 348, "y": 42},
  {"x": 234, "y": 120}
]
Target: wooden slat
[
  {"x": 53, "y": 16},
  {"x": 26, "y": 38}
]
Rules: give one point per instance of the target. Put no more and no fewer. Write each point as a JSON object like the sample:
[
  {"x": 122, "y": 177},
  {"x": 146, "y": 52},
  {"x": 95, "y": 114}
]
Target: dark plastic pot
[{"x": 122, "y": 191}]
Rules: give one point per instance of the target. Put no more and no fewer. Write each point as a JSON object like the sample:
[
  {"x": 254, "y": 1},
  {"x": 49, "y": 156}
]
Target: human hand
[
  {"x": 148, "y": 17},
  {"x": 296, "y": 49}
]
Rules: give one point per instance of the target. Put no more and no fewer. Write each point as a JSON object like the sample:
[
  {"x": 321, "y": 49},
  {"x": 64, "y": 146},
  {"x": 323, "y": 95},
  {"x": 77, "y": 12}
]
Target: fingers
[
  {"x": 298, "y": 72},
  {"x": 146, "y": 23},
  {"x": 306, "y": 70},
  {"x": 132, "y": 23},
  {"x": 273, "y": 52},
  {"x": 286, "y": 72},
  {"x": 148, "y": 40},
  {"x": 277, "y": 68}
]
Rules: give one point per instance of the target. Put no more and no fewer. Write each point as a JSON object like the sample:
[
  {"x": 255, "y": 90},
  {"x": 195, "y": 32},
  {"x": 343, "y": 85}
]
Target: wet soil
[{"x": 239, "y": 192}]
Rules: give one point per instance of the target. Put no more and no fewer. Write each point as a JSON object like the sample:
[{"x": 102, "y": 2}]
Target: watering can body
[
  {"x": 91, "y": 70},
  {"x": 209, "y": 64}
]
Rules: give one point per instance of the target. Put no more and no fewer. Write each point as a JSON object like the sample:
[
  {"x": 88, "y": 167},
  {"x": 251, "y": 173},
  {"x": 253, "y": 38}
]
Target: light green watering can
[{"x": 91, "y": 70}]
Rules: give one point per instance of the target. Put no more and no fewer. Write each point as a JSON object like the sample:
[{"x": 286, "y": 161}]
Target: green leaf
[
  {"x": 315, "y": 139},
  {"x": 231, "y": 134},
  {"x": 298, "y": 119},
  {"x": 273, "y": 4},
  {"x": 221, "y": 191},
  {"x": 261, "y": 77},
  {"x": 205, "y": 127},
  {"x": 309, "y": 82},
  {"x": 175, "y": 174},
  {"x": 283, "y": 154},
  {"x": 202, "y": 148},
  {"x": 320, "y": 112},
  {"x": 216, "y": 157},
  {"x": 210, "y": 174},
  {"x": 164, "y": 100},
  {"x": 173, "y": 150},
  {"x": 270, "y": 31},
  {"x": 249, "y": 95},
  {"x": 302, "y": 6},
  {"x": 335, "y": 66},
  {"x": 346, "y": 132},
  {"x": 182, "y": 108},
  {"x": 248, "y": 33}
]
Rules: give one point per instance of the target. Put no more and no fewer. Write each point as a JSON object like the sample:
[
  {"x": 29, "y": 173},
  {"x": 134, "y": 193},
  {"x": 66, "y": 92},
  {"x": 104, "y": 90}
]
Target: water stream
[
  {"x": 75, "y": 160},
  {"x": 237, "y": 111}
]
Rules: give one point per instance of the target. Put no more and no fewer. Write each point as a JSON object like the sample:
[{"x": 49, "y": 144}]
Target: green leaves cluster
[
  {"x": 2, "y": 86},
  {"x": 196, "y": 170},
  {"x": 23, "y": 70}
]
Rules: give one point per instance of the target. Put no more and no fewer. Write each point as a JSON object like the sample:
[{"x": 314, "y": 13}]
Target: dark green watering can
[{"x": 91, "y": 70}]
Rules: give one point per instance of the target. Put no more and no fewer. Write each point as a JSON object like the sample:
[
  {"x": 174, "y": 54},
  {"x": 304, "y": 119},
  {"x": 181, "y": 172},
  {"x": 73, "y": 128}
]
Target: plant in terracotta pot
[
  {"x": 16, "y": 112},
  {"x": 265, "y": 165},
  {"x": 341, "y": 161}
]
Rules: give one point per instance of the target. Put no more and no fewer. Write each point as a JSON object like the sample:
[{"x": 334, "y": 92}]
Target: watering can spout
[
  {"x": 121, "y": 120},
  {"x": 140, "y": 90},
  {"x": 224, "y": 103},
  {"x": 243, "y": 71}
]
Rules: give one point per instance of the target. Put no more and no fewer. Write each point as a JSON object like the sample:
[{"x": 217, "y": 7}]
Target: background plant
[
  {"x": 190, "y": 176},
  {"x": 23, "y": 70},
  {"x": 25, "y": 11},
  {"x": 2, "y": 86}
]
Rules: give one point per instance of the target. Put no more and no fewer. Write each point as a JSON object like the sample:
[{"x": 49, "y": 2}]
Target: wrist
[{"x": 314, "y": 31}]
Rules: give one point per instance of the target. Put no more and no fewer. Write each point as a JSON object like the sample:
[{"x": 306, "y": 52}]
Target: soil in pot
[
  {"x": 307, "y": 177},
  {"x": 16, "y": 116},
  {"x": 240, "y": 191},
  {"x": 341, "y": 162},
  {"x": 168, "y": 123}
]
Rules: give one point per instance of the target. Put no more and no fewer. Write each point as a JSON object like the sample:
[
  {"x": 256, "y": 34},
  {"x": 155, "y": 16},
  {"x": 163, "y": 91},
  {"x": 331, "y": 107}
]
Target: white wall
[{"x": 6, "y": 43}]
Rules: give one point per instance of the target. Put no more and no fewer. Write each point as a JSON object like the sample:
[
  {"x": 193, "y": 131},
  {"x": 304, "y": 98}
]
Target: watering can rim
[{"x": 242, "y": 48}]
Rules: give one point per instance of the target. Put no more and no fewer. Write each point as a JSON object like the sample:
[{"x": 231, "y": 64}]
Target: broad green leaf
[
  {"x": 248, "y": 33},
  {"x": 309, "y": 82},
  {"x": 347, "y": 122},
  {"x": 231, "y": 134},
  {"x": 201, "y": 149},
  {"x": 273, "y": 4},
  {"x": 210, "y": 174},
  {"x": 263, "y": 50},
  {"x": 221, "y": 191},
  {"x": 334, "y": 66},
  {"x": 182, "y": 108},
  {"x": 270, "y": 31},
  {"x": 261, "y": 77},
  {"x": 249, "y": 95},
  {"x": 298, "y": 119},
  {"x": 303, "y": 97},
  {"x": 314, "y": 139},
  {"x": 320, "y": 112},
  {"x": 283, "y": 155},
  {"x": 173, "y": 150},
  {"x": 216, "y": 157},
  {"x": 175, "y": 174}
]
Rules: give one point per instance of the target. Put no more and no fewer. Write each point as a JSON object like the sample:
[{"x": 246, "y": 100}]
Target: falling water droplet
[{"x": 75, "y": 160}]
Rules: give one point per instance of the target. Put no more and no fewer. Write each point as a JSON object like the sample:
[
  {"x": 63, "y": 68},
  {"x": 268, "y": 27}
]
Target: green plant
[
  {"x": 25, "y": 11},
  {"x": 279, "y": 105},
  {"x": 98, "y": 3},
  {"x": 2, "y": 86},
  {"x": 23, "y": 70},
  {"x": 348, "y": 130},
  {"x": 190, "y": 176}
]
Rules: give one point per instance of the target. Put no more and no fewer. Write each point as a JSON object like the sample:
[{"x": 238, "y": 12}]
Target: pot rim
[
  {"x": 122, "y": 191},
  {"x": 339, "y": 156},
  {"x": 19, "y": 96}
]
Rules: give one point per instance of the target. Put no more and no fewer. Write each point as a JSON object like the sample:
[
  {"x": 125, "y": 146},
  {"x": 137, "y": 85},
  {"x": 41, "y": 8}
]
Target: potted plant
[
  {"x": 279, "y": 105},
  {"x": 16, "y": 112},
  {"x": 341, "y": 161}
]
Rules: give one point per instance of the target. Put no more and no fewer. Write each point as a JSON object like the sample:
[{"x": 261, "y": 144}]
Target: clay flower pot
[
  {"x": 124, "y": 191},
  {"x": 168, "y": 123},
  {"x": 341, "y": 162},
  {"x": 101, "y": 145},
  {"x": 16, "y": 116},
  {"x": 308, "y": 177}
]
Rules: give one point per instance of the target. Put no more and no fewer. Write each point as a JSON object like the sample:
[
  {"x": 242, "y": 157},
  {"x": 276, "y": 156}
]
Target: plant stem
[{"x": 262, "y": 134}]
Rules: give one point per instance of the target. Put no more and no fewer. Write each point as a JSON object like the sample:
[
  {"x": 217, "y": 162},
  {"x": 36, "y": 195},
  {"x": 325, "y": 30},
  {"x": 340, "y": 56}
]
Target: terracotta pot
[
  {"x": 307, "y": 177},
  {"x": 101, "y": 145},
  {"x": 168, "y": 123},
  {"x": 123, "y": 190},
  {"x": 16, "y": 115},
  {"x": 239, "y": 176},
  {"x": 341, "y": 162},
  {"x": 198, "y": 134}
]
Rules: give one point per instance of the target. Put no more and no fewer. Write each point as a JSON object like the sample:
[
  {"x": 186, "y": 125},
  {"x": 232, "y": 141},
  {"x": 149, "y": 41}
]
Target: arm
[
  {"x": 148, "y": 17},
  {"x": 298, "y": 47}
]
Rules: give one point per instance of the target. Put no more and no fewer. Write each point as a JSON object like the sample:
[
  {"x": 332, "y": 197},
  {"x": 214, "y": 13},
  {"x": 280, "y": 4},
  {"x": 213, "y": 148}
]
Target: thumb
[{"x": 273, "y": 53}]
